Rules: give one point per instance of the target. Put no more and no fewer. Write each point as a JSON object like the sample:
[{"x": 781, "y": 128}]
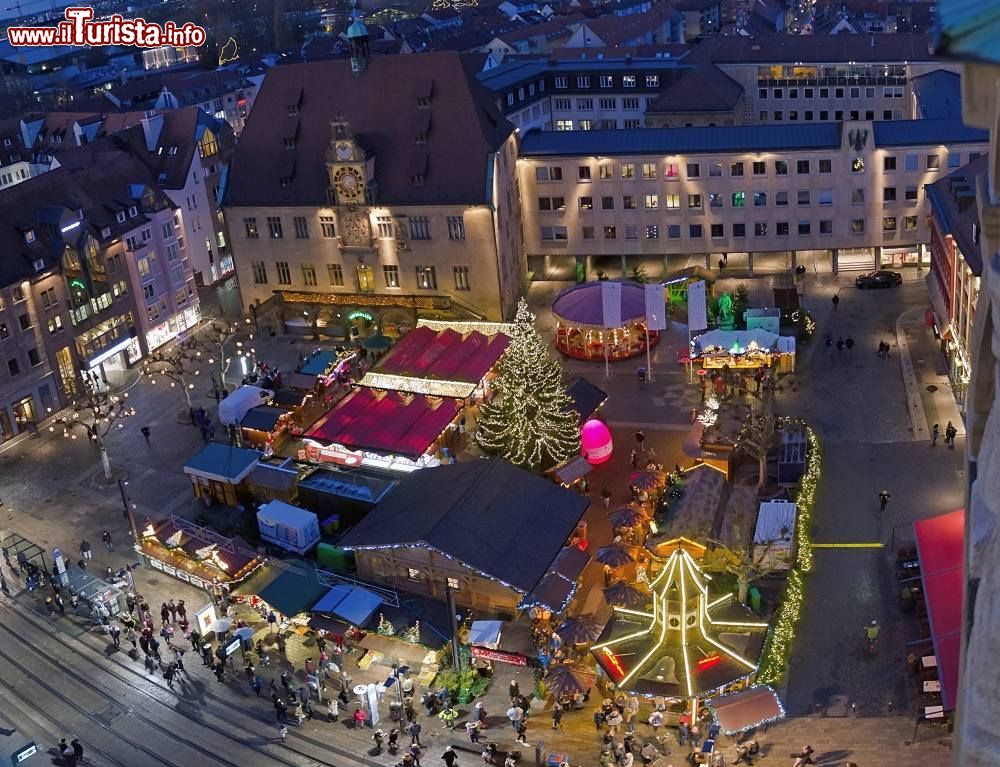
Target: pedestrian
[
  {"x": 633, "y": 458},
  {"x": 173, "y": 611},
  {"x": 514, "y": 714},
  {"x": 359, "y": 718},
  {"x": 683, "y": 733},
  {"x": 828, "y": 343},
  {"x": 67, "y": 753},
  {"x": 195, "y": 638},
  {"x": 377, "y": 737},
  {"x": 145, "y": 433},
  {"x": 849, "y": 343},
  {"x": 935, "y": 433},
  {"x": 283, "y": 732},
  {"x": 281, "y": 643},
  {"x": 472, "y": 730},
  {"x": 106, "y": 537},
  {"x": 333, "y": 709},
  {"x": 631, "y": 712},
  {"x": 836, "y": 301},
  {"x": 168, "y": 674},
  {"x": 448, "y": 716},
  {"x": 614, "y": 720},
  {"x": 85, "y": 551},
  {"x": 60, "y": 604},
  {"x": 116, "y": 634},
  {"x": 408, "y": 709},
  {"x": 164, "y": 613},
  {"x": 182, "y": 610},
  {"x": 220, "y": 670},
  {"x": 513, "y": 690},
  {"x": 206, "y": 654},
  {"x": 840, "y": 345},
  {"x": 606, "y": 496},
  {"x": 883, "y": 500},
  {"x": 557, "y": 712},
  {"x": 522, "y": 731},
  {"x": 300, "y": 714},
  {"x": 77, "y": 747},
  {"x": 130, "y": 635},
  {"x": 449, "y": 757},
  {"x": 414, "y": 730},
  {"x": 950, "y": 432},
  {"x": 598, "y": 719}
]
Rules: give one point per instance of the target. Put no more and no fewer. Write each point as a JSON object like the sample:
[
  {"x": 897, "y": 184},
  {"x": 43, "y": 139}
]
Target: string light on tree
[
  {"x": 530, "y": 421},
  {"x": 105, "y": 410}
]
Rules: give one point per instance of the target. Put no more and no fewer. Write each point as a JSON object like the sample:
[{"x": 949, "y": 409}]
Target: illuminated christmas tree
[{"x": 530, "y": 421}]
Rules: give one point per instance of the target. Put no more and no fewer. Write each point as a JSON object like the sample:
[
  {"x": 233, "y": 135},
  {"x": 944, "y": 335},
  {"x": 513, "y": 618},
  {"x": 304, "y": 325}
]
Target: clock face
[
  {"x": 348, "y": 183},
  {"x": 344, "y": 151}
]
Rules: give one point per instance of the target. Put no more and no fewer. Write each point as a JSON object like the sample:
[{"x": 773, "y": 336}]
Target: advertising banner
[{"x": 697, "y": 309}]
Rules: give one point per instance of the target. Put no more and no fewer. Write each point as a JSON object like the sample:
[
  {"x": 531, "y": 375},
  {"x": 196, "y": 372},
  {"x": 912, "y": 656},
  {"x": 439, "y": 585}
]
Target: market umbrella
[
  {"x": 220, "y": 625},
  {"x": 378, "y": 342},
  {"x": 244, "y": 632},
  {"x": 581, "y": 629},
  {"x": 568, "y": 679},
  {"x": 646, "y": 480},
  {"x": 627, "y": 516},
  {"x": 615, "y": 555},
  {"x": 623, "y": 594}
]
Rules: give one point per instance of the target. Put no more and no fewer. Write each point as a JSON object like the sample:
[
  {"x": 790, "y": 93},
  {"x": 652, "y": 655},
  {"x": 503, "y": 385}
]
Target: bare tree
[
  {"x": 215, "y": 338},
  {"x": 761, "y": 431},
  {"x": 747, "y": 559},
  {"x": 95, "y": 414},
  {"x": 178, "y": 364}
]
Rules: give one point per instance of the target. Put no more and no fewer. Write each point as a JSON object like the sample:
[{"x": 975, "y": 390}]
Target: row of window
[
  {"x": 426, "y": 275},
  {"x": 718, "y": 231},
  {"x": 809, "y": 115},
  {"x": 419, "y": 228},
  {"x": 608, "y": 81},
  {"x": 888, "y": 92},
  {"x": 629, "y": 103},
  {"x": 650, "y": 171},
  {"x": 603, "y": 124},
  {"x": 716, "y": 200}
]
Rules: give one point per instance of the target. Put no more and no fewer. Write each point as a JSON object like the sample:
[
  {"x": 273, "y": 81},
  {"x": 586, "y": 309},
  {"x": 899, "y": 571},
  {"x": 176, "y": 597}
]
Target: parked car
[{"x": 880, "y": 279}]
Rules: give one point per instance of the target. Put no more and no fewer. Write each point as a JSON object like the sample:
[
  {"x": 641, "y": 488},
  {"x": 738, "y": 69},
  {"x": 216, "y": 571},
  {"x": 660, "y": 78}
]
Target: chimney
[{"x": 152, "y": 124}]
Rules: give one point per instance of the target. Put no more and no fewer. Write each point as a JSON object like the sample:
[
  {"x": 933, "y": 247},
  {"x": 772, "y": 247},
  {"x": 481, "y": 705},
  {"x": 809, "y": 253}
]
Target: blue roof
[
  {"x": 939, "y": 95},
  {"x": 729, "y": 138},
  {"x": 927, "y": 132},
  {"x": 223, "y": 462}
]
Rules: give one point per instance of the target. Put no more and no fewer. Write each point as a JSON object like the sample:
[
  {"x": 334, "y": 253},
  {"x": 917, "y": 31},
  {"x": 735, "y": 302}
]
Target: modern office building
[{"x": 827, "y": 196}]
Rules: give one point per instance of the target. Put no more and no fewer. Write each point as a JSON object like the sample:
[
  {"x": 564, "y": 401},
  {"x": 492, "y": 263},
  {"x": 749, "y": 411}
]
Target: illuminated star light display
[
  {"x": 438, "y": 5},
  {"x": 677, "y": 649}
]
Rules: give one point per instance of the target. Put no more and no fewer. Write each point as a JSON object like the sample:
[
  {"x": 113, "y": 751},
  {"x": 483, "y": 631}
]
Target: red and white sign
[
  {"x": 496, "y": 656},
  {"x": 332, "y": 454}
]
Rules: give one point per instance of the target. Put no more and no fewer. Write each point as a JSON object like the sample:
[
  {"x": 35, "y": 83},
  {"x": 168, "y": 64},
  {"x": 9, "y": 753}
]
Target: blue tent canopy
[
  {"x": 353, "y": 604},
  {"x": 318, "y": 363},
  {"x": 290, "y": 593}
]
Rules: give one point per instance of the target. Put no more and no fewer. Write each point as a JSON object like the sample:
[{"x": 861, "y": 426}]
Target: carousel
[
  {"x": 582, "y": 331},
  {"x": 684, "y": 642}
]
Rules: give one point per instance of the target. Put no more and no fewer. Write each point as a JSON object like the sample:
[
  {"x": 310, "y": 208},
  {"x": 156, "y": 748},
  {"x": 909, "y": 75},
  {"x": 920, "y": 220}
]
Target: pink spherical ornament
[{"x": 595, "y": 442}]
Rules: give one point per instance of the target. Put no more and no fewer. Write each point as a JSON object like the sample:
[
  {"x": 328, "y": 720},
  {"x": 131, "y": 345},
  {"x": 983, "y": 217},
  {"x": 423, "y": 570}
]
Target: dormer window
[
  {"x": 420, "y": 138},
  {"x": 120, "y": 217},
  {"x": 290, "y": 143},
  {"x": 423, "y": 103},
  {"x": 133, "y": 212},
  {"x": 417, "y": 179},
  {"x": 172, "y": 151},
  {"x": 29, "y": 236},
  {"x": 7, "y": 142},
  {"x": 293, "y": 110},
  {"x": 286, "y": 182},
  {"x": 106, "y": 232}
]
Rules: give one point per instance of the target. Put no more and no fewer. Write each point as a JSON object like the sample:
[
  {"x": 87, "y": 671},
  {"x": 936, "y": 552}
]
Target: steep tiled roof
[
  {"x": 618, "y": 30},
  {"x": 380, "y": 106},
  {"x": 954, "y": 203},
  {"x": 704, "y": 88}
]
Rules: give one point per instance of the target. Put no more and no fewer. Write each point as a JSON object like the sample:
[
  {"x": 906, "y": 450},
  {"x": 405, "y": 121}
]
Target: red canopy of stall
[
  {"x": 444, "y": 355},
  {"x": 941, "y": 550}
]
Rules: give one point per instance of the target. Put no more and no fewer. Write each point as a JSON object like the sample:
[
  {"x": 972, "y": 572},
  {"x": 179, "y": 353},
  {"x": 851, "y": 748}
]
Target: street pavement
[{"x": 54, "y": 495}]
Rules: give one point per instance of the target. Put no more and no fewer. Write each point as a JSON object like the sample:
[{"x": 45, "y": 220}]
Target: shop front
[
  {"x": 903, "y": 256},
  {"x": 172, "y": 328}
]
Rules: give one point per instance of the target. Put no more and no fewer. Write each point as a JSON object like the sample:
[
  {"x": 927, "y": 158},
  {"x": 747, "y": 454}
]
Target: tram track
[{"x": 139, "y": 682}]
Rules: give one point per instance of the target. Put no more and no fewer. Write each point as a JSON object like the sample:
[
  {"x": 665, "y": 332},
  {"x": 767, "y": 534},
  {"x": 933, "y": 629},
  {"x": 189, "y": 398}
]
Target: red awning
[
  {"x": 444, "y": 355},
  {"x": 941, "y": 550}
]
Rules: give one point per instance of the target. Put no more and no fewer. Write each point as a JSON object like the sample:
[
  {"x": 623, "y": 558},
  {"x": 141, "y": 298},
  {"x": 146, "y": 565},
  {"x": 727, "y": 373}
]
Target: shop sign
[
  {"x": 611, "y": 664},
  {"x": 232, "y": 647},
  {"x": 496, "y": 656},
  {"x": 360, "y": 314},
  {"x": 330, "y": 454},
  {"x": 204, "y": 618}
]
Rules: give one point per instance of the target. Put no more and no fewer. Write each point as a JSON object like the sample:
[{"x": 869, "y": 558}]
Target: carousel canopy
[
  {"x": 583, "y": 305},
  {"x": 581, "y": 629},
  {"x": 623, "y": 594},
  {"x": 568, "y": 679},
  {"x": 746, "y": 709},
  {"x": 688, "y": 644}
]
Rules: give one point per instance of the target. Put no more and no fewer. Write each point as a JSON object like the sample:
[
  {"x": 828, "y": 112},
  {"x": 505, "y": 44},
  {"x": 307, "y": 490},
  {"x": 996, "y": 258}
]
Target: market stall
[
  {"x": 196, "y": 555},
  {"x": 288, "y": 527},
  {"x": 219, "y": 472},
  {"x": 260, "y": 426},
  {"x": 743, "y": 349},
  {"x": 584, "y": 331}
]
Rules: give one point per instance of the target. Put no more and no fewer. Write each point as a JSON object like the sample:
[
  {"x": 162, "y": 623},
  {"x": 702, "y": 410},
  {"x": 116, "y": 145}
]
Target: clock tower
[{"x": 349, "y": 189}]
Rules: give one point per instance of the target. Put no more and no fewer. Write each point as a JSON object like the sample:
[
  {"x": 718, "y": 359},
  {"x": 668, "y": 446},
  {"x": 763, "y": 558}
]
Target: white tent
[
  {"x": 240, "y": 402},
  {"x": 774, "y": 533}
]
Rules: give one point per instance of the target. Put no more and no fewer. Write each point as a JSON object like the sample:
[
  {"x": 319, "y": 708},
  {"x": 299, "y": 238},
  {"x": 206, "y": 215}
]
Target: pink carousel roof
[{"x": 582, "y": 304}]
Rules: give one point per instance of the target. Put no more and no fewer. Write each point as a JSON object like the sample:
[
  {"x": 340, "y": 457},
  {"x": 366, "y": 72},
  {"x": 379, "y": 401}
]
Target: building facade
[
  {"x": 348, "y": 219},
  {"x": 831, "y": 196},
  {"x": 956, "y": 267},
  {"x": 109, "y": 278}
]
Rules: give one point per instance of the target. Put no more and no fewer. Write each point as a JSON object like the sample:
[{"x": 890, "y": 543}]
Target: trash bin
[
  {"x": 754, "y": 599},
  {"x": 395, "y": 711}
]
